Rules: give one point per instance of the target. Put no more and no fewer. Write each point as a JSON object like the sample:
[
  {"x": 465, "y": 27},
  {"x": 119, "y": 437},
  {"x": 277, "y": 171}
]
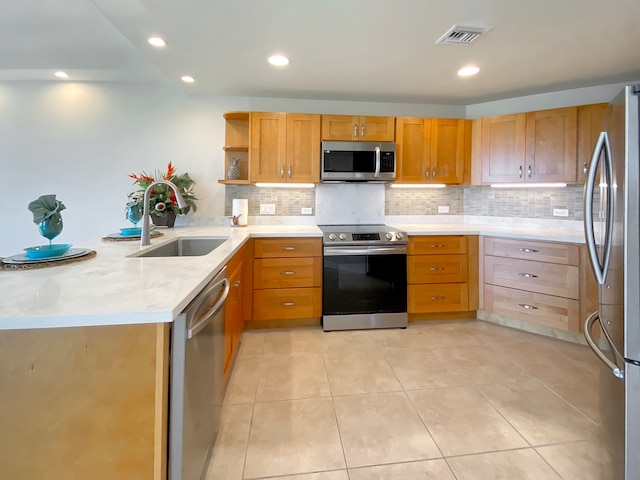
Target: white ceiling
[{"x": 361, "y": 50}]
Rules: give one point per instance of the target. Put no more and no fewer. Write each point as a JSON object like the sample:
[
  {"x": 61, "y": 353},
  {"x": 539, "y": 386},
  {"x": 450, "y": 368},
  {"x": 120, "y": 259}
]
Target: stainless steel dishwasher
[{"x": 197, "y": 380}]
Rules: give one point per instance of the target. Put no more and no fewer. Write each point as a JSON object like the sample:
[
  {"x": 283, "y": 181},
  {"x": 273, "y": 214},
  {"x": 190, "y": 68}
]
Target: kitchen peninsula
[{"x": 84, "y": 351}]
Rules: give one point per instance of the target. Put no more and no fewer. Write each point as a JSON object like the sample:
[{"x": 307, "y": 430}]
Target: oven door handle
[{"x": 346, "y": 251}]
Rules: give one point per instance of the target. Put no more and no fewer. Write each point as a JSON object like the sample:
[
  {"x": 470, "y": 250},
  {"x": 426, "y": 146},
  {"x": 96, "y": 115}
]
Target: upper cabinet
[
  {"x": 432, "y": 150},
  {"x": 530, "y": 147},
  {"x": 284, "y": 147},
  {"x": 551, "y": 141},
  {"x": 366, "y": 129},
  {"x": 236, "y": 147},
  {"x": 589, "y": 127}
]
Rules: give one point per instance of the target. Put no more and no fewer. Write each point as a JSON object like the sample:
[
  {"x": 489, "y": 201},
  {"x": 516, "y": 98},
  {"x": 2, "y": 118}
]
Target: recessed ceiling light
[
  {"x": 187, "y": 79},
  {"x": 157, "y": 41},
  {"x": 468, "y": 71},
  {"x": 278, "y": 60},
  {"x": 61, "y": 74}
]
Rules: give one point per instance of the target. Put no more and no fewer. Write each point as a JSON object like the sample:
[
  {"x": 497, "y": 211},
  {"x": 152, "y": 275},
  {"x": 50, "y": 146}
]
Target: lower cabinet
[
  {"x": 234, "y": 319},
  {"x": 287, "y": 278},
  {"x": 547, "y": 283},
  {"x": 442, "y": 274}
]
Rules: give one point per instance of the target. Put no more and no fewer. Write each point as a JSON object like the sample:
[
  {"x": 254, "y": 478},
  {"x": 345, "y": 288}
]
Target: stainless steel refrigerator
[{"x": 612, "y": 218}]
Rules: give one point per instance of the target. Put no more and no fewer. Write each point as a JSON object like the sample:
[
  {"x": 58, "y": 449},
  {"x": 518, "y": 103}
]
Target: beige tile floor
[{"x": 440, "y": 400}]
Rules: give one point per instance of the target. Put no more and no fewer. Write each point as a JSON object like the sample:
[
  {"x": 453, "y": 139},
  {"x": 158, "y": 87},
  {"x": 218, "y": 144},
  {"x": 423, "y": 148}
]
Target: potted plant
[{"x": 163, "y": 207}]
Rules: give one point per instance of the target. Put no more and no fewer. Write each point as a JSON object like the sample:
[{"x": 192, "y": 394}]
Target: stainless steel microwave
[{"x": 358, "y": 162}]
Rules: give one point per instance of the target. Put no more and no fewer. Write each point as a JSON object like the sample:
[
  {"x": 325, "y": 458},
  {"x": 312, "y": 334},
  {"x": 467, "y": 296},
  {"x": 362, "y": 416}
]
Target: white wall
[{"x": 80, "y": 141}]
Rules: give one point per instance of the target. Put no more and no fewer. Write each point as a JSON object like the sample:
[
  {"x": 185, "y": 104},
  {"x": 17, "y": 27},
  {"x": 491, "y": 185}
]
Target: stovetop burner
[{"x": 362, "y": 235}]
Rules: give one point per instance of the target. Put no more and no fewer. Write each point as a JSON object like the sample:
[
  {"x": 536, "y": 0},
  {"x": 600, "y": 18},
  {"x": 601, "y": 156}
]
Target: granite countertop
[{"x": 114, "y": 289}]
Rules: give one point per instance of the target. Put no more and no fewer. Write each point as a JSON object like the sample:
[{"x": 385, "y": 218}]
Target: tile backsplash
[{"x": 467, "y": 200}]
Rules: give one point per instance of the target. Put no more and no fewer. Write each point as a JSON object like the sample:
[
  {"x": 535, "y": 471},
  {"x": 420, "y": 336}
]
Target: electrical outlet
[
  {"x": 306, "y": 211},
  {"x": 560, "y": 212},
  {"x": 443, "y": 209},
  {"x": 267, "y": 209}
]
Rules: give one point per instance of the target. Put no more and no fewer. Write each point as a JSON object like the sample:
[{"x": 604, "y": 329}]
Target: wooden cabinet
[
  {"x": 285, "y": 147},
  {"x": 85, "y": 402},
  {"x": 551, "y": 143},
  {"x": 234, "y": 319},
  {"x": 432, "y": 150},
  {"x": 287, "y": 278},
  {"x": 589, "y": 127},
  {"x": 540, "y": 282},
  {"x": 360, "y": 128},
  {"x": 442, "y": 274},
  {"x": 236, "y": 146},
  {"x": 530, "y": 147},
  {"x": 502, "y": 147}
]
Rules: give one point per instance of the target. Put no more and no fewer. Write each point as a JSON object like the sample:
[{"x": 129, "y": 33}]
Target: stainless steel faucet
[{"x": 144, "y": 234}]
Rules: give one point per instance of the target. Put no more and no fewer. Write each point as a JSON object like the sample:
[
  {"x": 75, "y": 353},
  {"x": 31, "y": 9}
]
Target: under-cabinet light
[
  {"x": 285, "y": 185},
  {"x": 418, "y": 185},
  {"x": 61, "y": 74},
  {"x": 528, "y": 185}
]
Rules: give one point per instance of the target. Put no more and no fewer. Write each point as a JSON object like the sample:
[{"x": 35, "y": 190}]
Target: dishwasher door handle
[{"x": 193, "y": 331}]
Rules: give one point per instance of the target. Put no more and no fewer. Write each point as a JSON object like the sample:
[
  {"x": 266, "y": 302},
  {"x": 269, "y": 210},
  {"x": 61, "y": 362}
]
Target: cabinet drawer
[
  {"x": 437, "y": 268},
  {"x": 437, "y": 245},
  {"x": 555, "y": 312},
  {"x": 539, "y": 277},
  {"x": 284, "y": 303},
  {"x": 287, "y": 247},
  {"x": 552, "y": 252},
  {"x": 287, "y": 272},
  {"x": 448, "y": 297}
]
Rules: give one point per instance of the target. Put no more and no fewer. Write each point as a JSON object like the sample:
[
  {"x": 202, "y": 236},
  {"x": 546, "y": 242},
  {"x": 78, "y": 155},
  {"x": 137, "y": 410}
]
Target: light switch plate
[
  {"x": 560, "y": 212},
  {"x": 267, "y": 209},
  {"x": 306, "y": 211},
  {"x": 443, "y": 209}
]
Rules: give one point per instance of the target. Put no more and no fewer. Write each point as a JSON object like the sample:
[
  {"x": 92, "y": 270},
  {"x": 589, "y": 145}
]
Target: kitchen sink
[{"x": 185, "y": 247}]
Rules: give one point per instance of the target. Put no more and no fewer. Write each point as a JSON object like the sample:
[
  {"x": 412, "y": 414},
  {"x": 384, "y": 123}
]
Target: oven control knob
[
  {"x": 389, "y": 236},
  {"x": 399, "y": 235},
  {"x": 343, "y": 236},
  {"x": 332, "y": 236}
]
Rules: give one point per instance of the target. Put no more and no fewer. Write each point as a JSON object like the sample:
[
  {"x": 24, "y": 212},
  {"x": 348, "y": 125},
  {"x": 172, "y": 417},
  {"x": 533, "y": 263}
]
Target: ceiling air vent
[{"x": 462, "y": 35}]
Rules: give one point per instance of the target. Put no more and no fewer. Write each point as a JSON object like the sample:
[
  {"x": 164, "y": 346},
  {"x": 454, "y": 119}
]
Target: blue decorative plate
[
  {"x": 46, "y": 251},
  {"x": 130, "y": 231}
]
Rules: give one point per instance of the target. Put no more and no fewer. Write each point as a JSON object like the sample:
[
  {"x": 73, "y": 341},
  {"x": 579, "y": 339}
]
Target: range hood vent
[{"x": 458, "y": 35}]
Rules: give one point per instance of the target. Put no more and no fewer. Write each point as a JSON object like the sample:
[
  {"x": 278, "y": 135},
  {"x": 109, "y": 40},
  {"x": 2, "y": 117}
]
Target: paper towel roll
[{"x": 240, "y": 209}]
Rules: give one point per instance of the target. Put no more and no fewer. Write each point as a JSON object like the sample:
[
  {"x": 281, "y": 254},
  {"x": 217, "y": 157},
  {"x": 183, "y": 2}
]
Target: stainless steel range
[{"x": 364, "y": 277}]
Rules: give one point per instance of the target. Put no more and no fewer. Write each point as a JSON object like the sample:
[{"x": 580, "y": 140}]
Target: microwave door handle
[
  {"x": 377, "y": 173},
  {"x": 588, "y": 210}
]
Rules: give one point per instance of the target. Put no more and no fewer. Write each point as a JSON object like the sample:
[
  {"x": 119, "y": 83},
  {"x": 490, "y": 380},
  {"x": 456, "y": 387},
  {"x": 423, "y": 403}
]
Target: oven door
[{"x": 364, "y": 281}]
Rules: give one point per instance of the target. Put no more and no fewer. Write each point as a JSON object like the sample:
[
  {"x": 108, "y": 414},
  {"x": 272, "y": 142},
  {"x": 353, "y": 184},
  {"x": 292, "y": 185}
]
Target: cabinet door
[
  {"x": 589, "y": 127},
  {"x": 503, "y": 148},
  {"x": 447, "y": 151},
  {"x": 414, "y": 149},
  {"x": 267, "y": 149},
  {"x": 551, "y": 143},
  {"x": 303, "y": 148},
  {"x": 377, "y": 129},
  {"x": 340, "y": 127}
]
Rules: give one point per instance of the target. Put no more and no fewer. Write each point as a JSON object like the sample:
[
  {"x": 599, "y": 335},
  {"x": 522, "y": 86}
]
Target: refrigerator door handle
[
  {"x": 599, "y": 270},
  {"x": 588, "y": 334}
]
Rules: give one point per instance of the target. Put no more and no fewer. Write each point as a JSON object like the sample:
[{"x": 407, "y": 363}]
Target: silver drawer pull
[
  {"x": 287, "y": 273},
  {"x": 437, "y": 245},
  {"x": 528, "y": 307},
  {"x": 528, "y": 275},
  {"x": 528, "y": 250},
  {"x": 288, "y": 249},
  {"x": 436, "y": 269},
  {"x": 437, "y": 297},
  {"x": 288, "y": 304}
]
